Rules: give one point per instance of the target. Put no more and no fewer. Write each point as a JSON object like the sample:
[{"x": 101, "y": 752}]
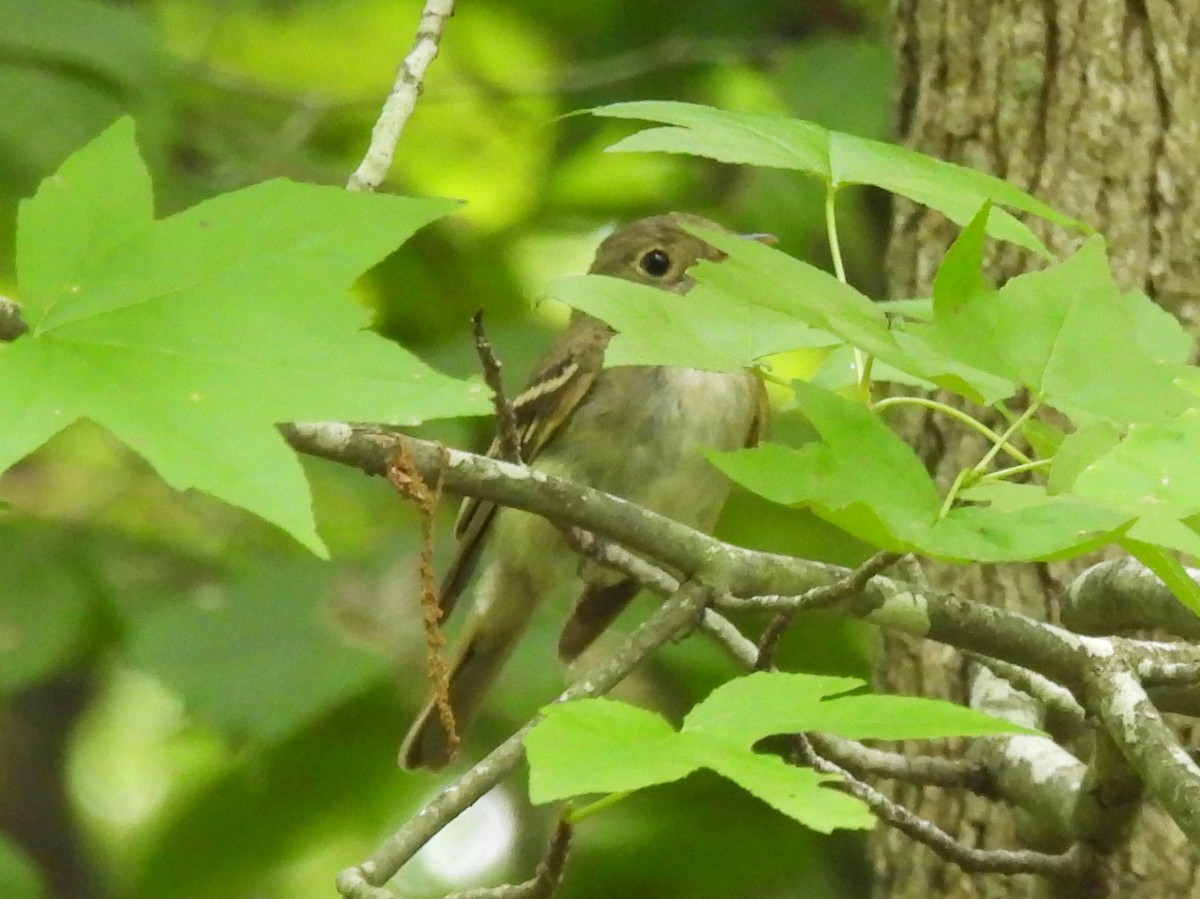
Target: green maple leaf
[{"x": 190, "y": 337}]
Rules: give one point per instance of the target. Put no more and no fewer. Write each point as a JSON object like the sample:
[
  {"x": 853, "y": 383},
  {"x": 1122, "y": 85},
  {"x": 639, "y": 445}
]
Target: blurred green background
[{"x": 190, "y": 705}]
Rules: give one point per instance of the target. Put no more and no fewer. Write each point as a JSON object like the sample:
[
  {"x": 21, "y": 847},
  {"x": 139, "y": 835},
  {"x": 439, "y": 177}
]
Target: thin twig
[
  {"x": 675, "y": 616},
  {"x": 1047, "y": 692},
  {"x": 817, "y": 598},
  {"x": 976, "y": 861},
  {"x": 545, "y": 881},
  {"x": 721, "y": 629},
  {"x": 825, "y": 595},
  {"x": 610, "y": 555},
  {"x": 920, "y": 770},
  {"x": 399, "y": 106},
  {"x": 508, "y": 441}
]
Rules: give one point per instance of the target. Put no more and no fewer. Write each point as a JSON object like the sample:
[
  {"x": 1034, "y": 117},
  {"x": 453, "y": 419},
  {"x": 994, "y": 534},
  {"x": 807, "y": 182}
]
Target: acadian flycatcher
[{"x": 632, "y": 431}]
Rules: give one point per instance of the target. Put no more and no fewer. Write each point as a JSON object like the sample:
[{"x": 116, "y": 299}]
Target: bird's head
[{"x": 656, "y": 251}]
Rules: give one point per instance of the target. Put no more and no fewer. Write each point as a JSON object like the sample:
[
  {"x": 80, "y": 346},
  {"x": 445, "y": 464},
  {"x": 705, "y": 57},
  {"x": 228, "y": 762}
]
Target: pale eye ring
[{"x": 655, "y": 263}]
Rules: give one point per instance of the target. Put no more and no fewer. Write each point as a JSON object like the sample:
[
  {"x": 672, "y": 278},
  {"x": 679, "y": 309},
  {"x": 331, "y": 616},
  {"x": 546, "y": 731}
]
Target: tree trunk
[{"x": 1094, "y": 107}]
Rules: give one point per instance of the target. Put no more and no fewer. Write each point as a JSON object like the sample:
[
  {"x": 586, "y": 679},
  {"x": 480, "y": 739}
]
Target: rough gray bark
[{"x": 1094, "y": 107}]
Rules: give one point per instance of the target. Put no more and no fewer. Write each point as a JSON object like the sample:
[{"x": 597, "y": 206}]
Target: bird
[{"x": 636, "y": 432}]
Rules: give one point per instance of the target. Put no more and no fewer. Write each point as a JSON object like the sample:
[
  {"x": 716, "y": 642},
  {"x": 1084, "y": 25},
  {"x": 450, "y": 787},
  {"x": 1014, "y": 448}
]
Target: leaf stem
[
  {"x": 767, "y": 375},
  {"x": 835, "y": 247},
  {"x": 952, "y": 493},
  {"x": 862, "y": 362},
  {"x": 575, "y": 815},
  {"x": 958, "y": 415},
  {"x": 970, "y": 476},
  {"x": 980, "y": 468},
  {"x": 1004, "y": 473}
]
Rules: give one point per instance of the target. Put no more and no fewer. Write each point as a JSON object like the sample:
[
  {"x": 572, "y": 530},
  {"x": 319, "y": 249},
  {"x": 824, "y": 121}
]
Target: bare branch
[
  {"x": 976, "y": 861},
  {"x": 817, "y": 598},
  {"x": 544, "y": 883},
  {"x": 508, "y": 441},
  {"x": 610, "y": 555},
  {"x": 676, "y": 615},
  {"x": 1109, "y": 798},
  {"x": 752, "y": 580},
  {"x": 1045, "y": 691},
  {"x": 1156, "y": 673},
  {"x": 399, "y": 106},
  {"x": 1124, "y": 595},
  {"x": 737, "y": 644},
  {"x": 1100, "y": 671},
  {"x": 1031, "y": 772},
  {"x": 921, "y": 770},
  {"x": 1151, "y": 747}
]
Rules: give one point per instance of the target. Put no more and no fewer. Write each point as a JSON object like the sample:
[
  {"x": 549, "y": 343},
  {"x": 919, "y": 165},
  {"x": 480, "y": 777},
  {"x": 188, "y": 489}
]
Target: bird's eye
[{"x": 655, "y": 263}]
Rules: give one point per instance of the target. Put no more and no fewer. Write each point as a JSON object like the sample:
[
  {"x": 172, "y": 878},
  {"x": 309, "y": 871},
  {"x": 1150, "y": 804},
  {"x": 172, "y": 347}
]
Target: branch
[
  {"x": 1125, "y": 595},
  {"x": 737, "y": 644},
  {"x": 677, "y": 615},
  {"x": 1100, "y": 671},
  {"x": 752, "y": 580},
  {"x": 1050, "y": 695},
  {"x": 919, "y": 770},
  {"x": 545, "y": 881},
  {"x": 1035, "y": 775},
  {"x": 675, "y": 545},
  {"x": 508, "y": 441},
  {"x": 399, "y": 106},
  {"x": 610, "y": 555},
  {"x": 1150, "y": 746},
  {"x": 976, "y": 861},
  {"x": 819, "y": 598}
]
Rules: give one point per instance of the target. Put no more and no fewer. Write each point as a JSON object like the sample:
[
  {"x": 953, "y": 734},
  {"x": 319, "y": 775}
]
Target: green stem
[
  {"x": 835, "y": 247},
  {"x": 862, "y": 362},
  {"x": 575, "y": 815},
  {"x": 866, "y": 376},
  {"x": 766, "y": 375},
  {"x": 958, "y": 415},
  {"x": 981, "y": 466},
  {"x": 1005, "y": 473},
  {"x": 952, "y": 493}
]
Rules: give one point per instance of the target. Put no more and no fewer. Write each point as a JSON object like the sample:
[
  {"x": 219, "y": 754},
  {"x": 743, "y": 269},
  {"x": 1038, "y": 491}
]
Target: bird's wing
[
  {"x": 597, "y": 607},
  {"x": 561, "y": 381}
]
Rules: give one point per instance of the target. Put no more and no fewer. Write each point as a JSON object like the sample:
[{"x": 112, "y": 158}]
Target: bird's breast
[{"x": 639, "y": 434}]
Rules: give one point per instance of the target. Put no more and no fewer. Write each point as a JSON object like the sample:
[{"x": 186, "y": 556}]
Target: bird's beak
[{"x": 769, "y": 239}]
